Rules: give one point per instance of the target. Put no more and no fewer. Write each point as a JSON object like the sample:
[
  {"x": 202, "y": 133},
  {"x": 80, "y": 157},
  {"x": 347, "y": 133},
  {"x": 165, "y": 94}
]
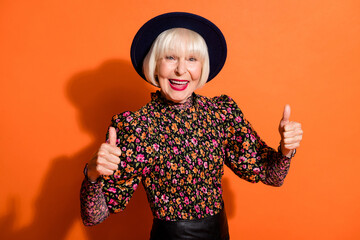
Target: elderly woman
[{"x": 178, "y": 143}]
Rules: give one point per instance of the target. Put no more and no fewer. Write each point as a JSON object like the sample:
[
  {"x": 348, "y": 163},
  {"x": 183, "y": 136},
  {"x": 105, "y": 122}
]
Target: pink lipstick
[{"x": 178, "y": 85}]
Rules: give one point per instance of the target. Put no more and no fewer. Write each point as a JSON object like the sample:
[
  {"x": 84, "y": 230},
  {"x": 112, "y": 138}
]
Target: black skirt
[{"x": 209, "y": 228}]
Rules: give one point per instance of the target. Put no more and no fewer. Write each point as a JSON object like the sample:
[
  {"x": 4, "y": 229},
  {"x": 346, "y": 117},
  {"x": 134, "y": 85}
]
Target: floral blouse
[{"x": 178, "y": 153}]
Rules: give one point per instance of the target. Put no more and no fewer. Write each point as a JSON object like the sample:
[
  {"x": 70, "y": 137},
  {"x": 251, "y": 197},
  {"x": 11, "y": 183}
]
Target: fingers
[
  {"x": 292, "y": 146},
  {"x": 291, "y": 135},
  {"x": 286, "y": 113},
  {"x": 112, "y": 136},
  {"x": 292, "y": 140},
  {"x": 105, "y": 170},
  {"x": 107, "y": 153},
  {"x": 108, "y": 148},
  {"x": 291, "y": 126},
  {"x": 106, "y": 160}
]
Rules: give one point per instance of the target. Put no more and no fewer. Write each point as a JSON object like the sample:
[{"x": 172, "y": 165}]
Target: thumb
[
  {"x": 112, "y": 136},
  {"x": 286, "y": 114}
]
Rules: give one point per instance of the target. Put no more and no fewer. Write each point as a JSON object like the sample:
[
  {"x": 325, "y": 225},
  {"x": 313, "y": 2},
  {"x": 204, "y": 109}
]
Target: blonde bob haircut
[{"x": 173, "y": 41}]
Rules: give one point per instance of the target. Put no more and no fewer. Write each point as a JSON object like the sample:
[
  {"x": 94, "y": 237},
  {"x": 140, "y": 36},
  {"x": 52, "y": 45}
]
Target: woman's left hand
[{"x": 290, "y": 132}]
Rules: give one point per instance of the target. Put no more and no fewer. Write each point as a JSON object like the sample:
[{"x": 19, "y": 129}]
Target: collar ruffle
[{"x": 188, "y": 104}]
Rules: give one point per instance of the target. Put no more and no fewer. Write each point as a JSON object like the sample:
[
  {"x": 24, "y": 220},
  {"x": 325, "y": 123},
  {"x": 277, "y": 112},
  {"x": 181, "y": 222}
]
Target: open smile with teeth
[
  {"x": 178, "y": 82},
  {"x": 178, "y": 85}
]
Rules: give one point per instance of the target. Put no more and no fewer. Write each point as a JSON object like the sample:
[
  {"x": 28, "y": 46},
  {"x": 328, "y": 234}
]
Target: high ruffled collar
[{"x": 188, "y": 104}]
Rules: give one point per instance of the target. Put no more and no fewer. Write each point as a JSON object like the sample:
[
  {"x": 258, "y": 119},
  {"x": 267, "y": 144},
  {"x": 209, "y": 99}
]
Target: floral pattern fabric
[{"x": 178, "y": 153}]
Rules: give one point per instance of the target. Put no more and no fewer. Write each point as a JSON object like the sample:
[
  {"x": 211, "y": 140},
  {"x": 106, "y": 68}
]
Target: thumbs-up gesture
[
  {"x": 290, "y": 132},
  {"x": 106, "y": 160}
]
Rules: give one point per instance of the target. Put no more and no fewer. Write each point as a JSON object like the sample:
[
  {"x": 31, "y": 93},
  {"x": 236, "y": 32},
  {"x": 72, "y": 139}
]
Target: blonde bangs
[
  {"x": 176, "y": 41},
  {"x": 179, "y": 40}
]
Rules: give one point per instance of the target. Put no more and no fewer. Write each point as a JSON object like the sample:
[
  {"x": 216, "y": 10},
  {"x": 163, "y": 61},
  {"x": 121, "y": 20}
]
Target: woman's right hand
[{"x": 106, "y": 160}]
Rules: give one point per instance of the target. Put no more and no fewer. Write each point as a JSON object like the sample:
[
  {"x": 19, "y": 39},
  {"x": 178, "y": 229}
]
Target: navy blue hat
[{"x": 147, "y": 34}]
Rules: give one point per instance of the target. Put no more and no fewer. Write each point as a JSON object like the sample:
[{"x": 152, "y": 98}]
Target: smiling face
[
  {"x": 178, "y": 75},
  {"x": 178, "y": 63}
]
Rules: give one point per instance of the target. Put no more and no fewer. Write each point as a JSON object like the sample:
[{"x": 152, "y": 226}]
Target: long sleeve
[
  {"x": 136, "y": 155},
  {"x": 93, "y": 205},
  {"x": 246, "y": 154},
  {"x": 111, "y": 194}
]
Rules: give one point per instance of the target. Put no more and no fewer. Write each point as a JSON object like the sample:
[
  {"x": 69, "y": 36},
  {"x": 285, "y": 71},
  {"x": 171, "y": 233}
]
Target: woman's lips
[{"x": 178, "y": 85}]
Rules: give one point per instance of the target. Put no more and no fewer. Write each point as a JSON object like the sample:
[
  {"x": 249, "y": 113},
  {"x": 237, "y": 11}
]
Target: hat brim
[{"x": 147, "y": 34}]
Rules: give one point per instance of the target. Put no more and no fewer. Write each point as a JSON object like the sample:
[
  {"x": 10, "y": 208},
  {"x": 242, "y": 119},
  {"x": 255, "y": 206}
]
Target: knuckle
[
  {"x": 101, "y": 153},
  {"x": 103, "y": 146}
]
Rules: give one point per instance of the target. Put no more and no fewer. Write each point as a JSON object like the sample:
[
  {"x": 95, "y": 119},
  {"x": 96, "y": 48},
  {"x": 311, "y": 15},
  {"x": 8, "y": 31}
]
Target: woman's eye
[
  {"x": 192, "y": 59},
  {"x": 169, "y": 57}
]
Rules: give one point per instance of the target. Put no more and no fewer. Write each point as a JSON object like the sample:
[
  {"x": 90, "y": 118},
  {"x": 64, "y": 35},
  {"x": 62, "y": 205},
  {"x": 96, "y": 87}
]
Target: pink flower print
[
  {"x": 175, "y": 149},
  {"x": 181, "y": 131},
  {"x": 200, "y": 162},
  {"x": 129, "y": 118},
  {"x": 215, "y": 143},
  {"x": 187, "y": 158},
  {"x": 138, "y": 130},
  {"x": 197, "y": 208},
  {"x": 256, "y": 170},
  {"x": 138, "y": 148},
  {"x": 143, "y": 118},
  {"x": 126, "y": 114},
  {"x": 186, "y": 200},
  {"x": 238, "y": 119},
  {"x": 146, "y": 170},
  {"x": 135, "y": 186},
  {"x": 165, "y": 198},
  {"x": 113, "y": 202},
  {"x": 156, "y": 147},
  {"x": 113, "y": 190},
  {"x": 194, "y": 141},
  {"x": 205, "y": 165},
  {"x": 252, "y": 138},
  {"x": 123, "y": 164},
  {"x": 140, "y": 158}
]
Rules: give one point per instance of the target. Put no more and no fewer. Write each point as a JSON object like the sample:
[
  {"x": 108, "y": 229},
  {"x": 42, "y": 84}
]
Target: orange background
[{"x": 65, "y": 70}]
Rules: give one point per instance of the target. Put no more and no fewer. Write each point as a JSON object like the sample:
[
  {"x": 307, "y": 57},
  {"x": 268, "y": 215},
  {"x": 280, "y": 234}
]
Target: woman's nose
[{"x": 180, "y": 68}]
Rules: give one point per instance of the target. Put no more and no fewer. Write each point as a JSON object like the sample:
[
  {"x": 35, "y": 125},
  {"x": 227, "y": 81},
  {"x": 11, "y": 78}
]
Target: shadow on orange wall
[{"x": 98, "y": 95}]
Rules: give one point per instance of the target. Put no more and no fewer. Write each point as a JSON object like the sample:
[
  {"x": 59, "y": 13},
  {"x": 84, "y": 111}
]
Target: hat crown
[{"x": 212, "y": 35}]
